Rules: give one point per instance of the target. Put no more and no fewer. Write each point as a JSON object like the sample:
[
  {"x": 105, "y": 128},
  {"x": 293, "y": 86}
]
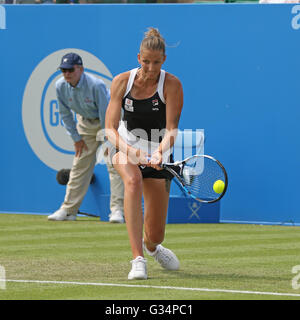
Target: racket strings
[{"x": 199, "y": 175}]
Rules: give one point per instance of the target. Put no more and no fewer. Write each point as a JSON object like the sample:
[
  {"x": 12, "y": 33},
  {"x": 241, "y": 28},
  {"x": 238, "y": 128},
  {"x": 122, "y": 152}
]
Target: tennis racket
[{"x": 200, "y": 176}]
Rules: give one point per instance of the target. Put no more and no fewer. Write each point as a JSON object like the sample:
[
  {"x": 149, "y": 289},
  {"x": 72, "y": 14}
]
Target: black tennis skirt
[{"x": 149, "y": 172}]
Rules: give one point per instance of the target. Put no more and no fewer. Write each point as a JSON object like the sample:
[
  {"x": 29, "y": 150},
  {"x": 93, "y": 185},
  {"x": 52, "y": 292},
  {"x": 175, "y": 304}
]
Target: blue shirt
[{"x": 89, "y": 99}]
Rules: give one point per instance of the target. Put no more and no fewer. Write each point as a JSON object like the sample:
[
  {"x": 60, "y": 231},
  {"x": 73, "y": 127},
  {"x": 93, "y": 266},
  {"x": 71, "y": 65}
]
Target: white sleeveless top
[
  {"x": 160, "y": 85},
  {"x": 127, "y": 136}
]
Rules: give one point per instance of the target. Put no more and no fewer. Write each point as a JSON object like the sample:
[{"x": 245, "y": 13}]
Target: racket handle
[{"x": 148, "y": 158}]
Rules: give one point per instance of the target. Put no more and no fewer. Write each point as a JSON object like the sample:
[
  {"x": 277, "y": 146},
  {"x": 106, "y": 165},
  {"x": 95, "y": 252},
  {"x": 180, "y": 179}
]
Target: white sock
[
  {"x": 151, "y": 253},
  {"x": 139, "y": 258}
]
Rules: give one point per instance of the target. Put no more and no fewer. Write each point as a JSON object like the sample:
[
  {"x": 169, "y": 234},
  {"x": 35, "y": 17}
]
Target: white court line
[{"x": 154, "y": 287}]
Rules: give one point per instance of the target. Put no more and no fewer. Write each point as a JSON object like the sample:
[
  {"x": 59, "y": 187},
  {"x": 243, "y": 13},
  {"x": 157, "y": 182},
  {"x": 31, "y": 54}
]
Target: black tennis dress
[{"x": 143, "y": 124}]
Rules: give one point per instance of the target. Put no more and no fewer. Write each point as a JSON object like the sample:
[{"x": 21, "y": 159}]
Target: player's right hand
[{"x": 138, "y": 156}]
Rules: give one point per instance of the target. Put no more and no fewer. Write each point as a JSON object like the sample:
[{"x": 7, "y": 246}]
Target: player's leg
[
  {"x": 156, "y": 198},
  {"x": 133, "y": 189}
]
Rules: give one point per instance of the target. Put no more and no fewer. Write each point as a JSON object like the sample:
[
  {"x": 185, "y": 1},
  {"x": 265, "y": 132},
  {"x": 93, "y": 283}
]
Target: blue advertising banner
[{"x": 239, "y": 68}]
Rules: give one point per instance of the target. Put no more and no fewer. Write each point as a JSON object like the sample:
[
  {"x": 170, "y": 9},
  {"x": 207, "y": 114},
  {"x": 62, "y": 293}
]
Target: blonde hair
[{"x": 153, "y": 41}]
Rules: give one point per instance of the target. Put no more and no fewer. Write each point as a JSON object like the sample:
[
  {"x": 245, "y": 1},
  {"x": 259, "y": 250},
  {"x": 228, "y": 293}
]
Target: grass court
[{"x": 90, "y": 259}]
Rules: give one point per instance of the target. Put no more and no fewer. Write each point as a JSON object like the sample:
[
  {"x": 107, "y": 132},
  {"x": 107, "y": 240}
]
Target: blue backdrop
[{"x": 239, "y": 67}]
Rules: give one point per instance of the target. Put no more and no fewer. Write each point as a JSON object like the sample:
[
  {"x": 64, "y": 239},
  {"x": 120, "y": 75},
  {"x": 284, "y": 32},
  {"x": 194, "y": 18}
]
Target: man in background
[{"x": 87, "y": 96}]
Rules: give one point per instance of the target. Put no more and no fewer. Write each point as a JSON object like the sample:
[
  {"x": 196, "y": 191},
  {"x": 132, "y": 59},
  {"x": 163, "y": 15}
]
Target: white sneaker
[
  {"x": 138, "y": 269},
  {"x": 165, "y": 257},
  {"x": 62, "y": 215},
  {"x": 116, "y": 217}
]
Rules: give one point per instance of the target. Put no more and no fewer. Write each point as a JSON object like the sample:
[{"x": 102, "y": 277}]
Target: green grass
[{"x": 213, "y": 256}]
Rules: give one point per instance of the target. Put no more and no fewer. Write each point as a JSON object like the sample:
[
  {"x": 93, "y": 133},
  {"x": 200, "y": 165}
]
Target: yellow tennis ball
[{"x": 219, "y": 186}]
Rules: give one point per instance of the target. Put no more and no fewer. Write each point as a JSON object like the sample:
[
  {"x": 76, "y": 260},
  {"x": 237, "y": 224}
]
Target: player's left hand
[{"x": 156, "y": 160}]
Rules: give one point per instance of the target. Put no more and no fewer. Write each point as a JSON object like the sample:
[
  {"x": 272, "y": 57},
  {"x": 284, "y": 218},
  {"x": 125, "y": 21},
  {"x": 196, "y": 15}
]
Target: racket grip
[{"x": 148, "y": 158}]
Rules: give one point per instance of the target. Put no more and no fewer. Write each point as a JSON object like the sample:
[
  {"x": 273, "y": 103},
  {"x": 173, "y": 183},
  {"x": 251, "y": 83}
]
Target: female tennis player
[{"x": 151, "y": 100}]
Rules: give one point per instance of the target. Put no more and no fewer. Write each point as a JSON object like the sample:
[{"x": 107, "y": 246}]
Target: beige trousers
[{"x": 83, "y": 167}]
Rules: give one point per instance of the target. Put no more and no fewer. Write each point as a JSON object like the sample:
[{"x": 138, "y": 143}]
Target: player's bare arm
[
  {"x": 113, "y": 114},
  {"x": 174, "y": 101}
]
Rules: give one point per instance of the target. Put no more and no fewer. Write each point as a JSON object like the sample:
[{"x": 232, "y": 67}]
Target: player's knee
[{"x": 133, "y": 183}]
